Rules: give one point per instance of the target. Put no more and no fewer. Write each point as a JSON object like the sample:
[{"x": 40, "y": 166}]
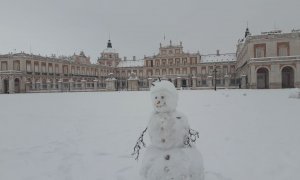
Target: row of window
[
  {"x": 193, "y": 71},
  {"x": 36, "y": 67},
  {"x": 55, "y": 69},
  {"x": 170, "y": 62},
  {"x": 260, "y": 50},
  {"x": 4, "y": 65},
  {"x": 170, "y": 51}
]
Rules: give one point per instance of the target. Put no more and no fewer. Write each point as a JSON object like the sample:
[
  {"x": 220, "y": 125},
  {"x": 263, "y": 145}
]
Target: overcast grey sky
[{"x": 137, "y": 27}]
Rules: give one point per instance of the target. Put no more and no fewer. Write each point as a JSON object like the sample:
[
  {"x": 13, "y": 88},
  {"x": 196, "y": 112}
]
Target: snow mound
[{"x": 295, "y": 94}]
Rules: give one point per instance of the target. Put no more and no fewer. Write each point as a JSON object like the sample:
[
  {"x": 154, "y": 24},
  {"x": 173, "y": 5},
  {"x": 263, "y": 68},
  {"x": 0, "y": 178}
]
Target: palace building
[{"x": 269, "y": 60}]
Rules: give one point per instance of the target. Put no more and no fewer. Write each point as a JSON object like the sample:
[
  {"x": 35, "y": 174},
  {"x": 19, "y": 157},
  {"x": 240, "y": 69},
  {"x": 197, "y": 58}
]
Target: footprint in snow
[{"x": 124, "y": 169}]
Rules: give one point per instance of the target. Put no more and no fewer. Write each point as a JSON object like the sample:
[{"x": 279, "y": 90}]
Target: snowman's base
[{"x": 176, "y": 164}]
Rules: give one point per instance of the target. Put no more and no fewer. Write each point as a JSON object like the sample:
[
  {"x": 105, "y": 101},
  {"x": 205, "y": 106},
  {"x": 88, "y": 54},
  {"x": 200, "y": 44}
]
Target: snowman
[{"x": 171, "y": 154}]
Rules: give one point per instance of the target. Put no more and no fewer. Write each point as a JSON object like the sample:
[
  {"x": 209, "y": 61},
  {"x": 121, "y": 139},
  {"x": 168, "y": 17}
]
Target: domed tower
[{"x": 109, "y": 56}]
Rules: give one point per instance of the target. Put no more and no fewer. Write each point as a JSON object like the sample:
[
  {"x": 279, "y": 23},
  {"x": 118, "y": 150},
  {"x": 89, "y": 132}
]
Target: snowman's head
[{"x": 164, "y": 96}]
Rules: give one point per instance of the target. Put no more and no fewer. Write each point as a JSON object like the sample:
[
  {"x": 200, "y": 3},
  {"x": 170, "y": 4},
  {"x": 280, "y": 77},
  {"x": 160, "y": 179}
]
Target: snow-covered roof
[
  {"x": 131, "y": 63},
  {"x": 218, "y": 58}
]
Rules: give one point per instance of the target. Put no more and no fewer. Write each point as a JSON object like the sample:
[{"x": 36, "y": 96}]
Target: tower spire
[
  {"x": 247, "y": 33},
  {"x": 109, "y": 44}
]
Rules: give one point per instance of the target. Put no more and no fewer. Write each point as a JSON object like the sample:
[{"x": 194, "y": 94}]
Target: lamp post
[{"x": 215, "y": 78}]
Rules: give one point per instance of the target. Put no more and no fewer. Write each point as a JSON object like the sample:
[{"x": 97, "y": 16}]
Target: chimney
[
  {"x": 133, "y": 58},
  {"x": 125, "y": 58},
  {"x": 218, "y": 52}
]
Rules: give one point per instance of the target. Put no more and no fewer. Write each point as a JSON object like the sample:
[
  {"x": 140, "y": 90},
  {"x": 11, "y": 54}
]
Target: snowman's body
[
  {"x": 168, "y": 157},
  {"x": 168, "y": 130}
]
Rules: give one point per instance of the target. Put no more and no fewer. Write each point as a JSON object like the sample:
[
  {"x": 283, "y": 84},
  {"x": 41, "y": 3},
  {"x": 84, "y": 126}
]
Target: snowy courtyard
[{"x": 244, "y": 134}]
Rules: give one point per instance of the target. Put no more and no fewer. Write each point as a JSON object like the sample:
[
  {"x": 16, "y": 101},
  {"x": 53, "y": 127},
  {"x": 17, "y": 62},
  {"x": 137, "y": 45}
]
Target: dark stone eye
[
  {"x": 156, "y": 97},
  {"x": 162, "y": 97}
]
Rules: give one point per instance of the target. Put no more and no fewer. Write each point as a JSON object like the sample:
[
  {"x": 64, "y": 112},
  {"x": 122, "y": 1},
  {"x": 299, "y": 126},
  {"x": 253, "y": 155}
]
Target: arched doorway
[
  {"x": 6, "y": 86},
  {"x": 287, "y": 76},
  {"x": 17, "y": 85},
  {"x": 262, "y": 78},
  {"x": 184, "y": 83}
]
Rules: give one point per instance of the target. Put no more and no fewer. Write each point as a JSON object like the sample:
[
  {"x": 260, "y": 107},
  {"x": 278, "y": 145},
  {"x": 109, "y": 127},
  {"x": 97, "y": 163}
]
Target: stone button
[
  {"x": 166, "y": 169},
  {"x": 167, "y": 157},
  {"x": 162, "y": 128},
  {"x": 163, "y": 140}
]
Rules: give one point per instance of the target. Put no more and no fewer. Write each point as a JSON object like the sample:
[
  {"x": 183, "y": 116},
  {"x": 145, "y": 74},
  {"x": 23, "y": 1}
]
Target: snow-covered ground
[{"x": 244, "y": 134}]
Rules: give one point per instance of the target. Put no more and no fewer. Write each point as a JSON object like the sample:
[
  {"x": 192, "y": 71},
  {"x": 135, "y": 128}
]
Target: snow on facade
[
  {"x": 131, "y": 63},
  {"x": 214, "y": 58}
]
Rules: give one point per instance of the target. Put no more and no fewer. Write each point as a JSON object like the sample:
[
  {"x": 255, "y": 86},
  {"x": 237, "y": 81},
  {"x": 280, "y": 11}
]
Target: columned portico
[
  {"x": 11, "y": 85},
  {"x": 275, "y": 77}
]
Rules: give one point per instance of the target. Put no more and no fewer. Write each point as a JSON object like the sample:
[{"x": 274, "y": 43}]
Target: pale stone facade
[
  {"x": 270, "y": 60},
  {"x": 30, "y": 73}
]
